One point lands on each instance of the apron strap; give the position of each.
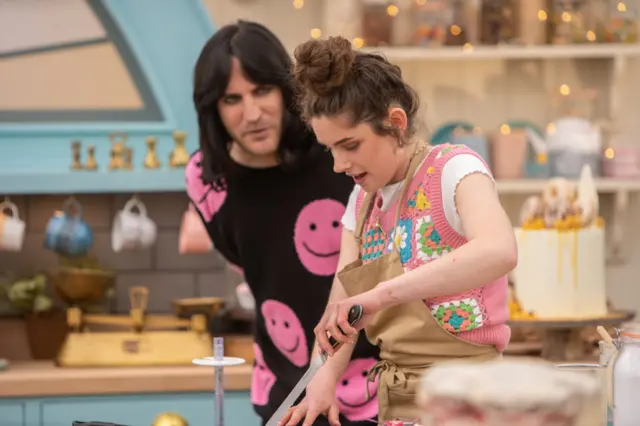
(365, 209)
(417, 157)
(391, 375)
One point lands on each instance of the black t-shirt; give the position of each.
(283, 228)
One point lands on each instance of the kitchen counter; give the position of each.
(41, 378)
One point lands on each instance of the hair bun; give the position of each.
(322, 66)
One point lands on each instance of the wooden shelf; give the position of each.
(586, 51)
(85, 182)
(534, 186)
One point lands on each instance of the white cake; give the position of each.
(561, 273)
(561, 252)
(519, 392)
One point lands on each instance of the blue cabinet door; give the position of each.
(140, 410)
(13, 413)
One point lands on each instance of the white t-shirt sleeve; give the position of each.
(454, 170)
(349, 216)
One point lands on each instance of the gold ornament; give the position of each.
(75, 148)
(128, 159)
(170, 419)
(151, 159)
(91, 163)
(118, 141)
(179, 157)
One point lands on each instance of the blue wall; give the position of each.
(166, 36)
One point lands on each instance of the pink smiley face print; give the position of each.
(262, 379)
(351, 391)
(286, 331)
(317, 236)
(204, 197)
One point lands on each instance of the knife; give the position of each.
(355, 314)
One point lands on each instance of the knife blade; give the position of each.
(355, 314)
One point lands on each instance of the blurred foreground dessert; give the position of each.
(508, 393)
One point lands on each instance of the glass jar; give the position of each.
(432, 19)
(499, 21)
(594, 412)
(621, 22)
(626, 377)
(572, 22)
(532, 22)
(608, 352)
(377, 22)
(461, 28)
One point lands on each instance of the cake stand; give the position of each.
(561, 333)
(218, 361)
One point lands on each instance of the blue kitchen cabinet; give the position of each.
(13, 413)
(35, 151)
(132, 410)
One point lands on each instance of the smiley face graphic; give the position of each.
(317, 236)
(351, 391)
(262, 379)
(286, 331)
(204, 197)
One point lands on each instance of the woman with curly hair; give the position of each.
(426, 245)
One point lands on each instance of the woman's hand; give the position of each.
(335, 321)
(320, 399)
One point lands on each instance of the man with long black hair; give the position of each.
(272, 205)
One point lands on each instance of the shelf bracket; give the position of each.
(621, 204)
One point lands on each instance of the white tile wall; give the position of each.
(168, 274)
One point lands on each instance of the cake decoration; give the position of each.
(563, 205)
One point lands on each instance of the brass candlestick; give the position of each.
(151, 159)
(75, 148)
(128, 158)
(117, 151)
(179, 157)
(91, 163)
(118, 141)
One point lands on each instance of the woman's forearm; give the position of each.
(337, 364)
(349, 251)
(472, 265)
(337, 293)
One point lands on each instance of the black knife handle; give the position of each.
(355, 314)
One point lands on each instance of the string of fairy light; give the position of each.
(455, 30)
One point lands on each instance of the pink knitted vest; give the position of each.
(422, 235)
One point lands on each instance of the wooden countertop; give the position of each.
(41, 378)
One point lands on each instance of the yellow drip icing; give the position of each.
(567, 230)
(574, 259)
(560, 246)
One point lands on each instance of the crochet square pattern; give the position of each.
(401, 238)
(458, 315)
(373, 244)
(429, 244)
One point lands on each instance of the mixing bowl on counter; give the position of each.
(75, 285)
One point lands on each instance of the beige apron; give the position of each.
(409, 337)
